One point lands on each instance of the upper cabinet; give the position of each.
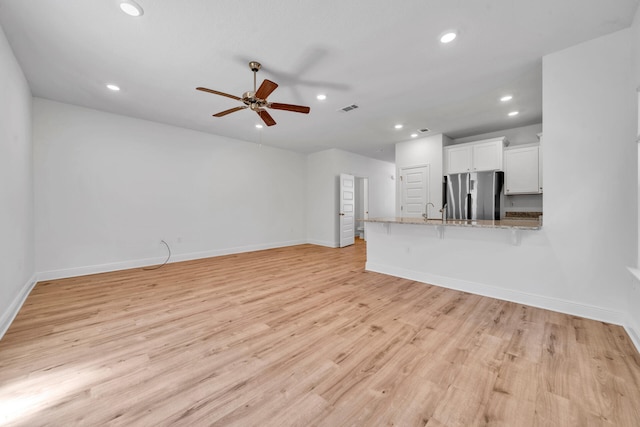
(522, 170)
(457, 159)
(477, 156)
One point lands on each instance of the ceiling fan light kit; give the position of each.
(256, 100)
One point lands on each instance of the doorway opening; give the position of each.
(354, 208)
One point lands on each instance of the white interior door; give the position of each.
(347, 210)
(414, 190)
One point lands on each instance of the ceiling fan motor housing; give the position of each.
(249, 98)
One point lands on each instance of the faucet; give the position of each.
(426, 210)
(444, 212)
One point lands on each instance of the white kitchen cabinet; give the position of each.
(486, 155)
(458, 159)
(522, 170)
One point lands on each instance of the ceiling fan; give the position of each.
(257, 100)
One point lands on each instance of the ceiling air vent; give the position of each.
(424, 130)
(348, 108)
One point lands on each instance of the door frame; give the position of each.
(365, 196)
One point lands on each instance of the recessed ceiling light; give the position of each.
(131, 8)
(398, 126)
(113, 87)
(448, 37)
(258, 126)
(321, 97)
(514, 113)
(413, 135)
(506, 98)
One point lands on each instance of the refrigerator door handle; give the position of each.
(468, 213)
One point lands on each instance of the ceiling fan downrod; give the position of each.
(255, 66)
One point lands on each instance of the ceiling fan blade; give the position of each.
(266, 117)
(229, 111)
(215, 92)
(265, 89)
(289, 107)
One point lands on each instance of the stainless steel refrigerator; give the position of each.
(476, 195)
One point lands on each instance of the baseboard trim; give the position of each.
(632, 327)
(12, 311)
(323, 243)
(126, 265)
(540, 301)
(634, 334)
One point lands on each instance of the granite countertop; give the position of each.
(507, 223)
(523, 215)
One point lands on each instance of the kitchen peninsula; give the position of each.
(502, 258)
(492, 258)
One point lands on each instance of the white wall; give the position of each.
(420, 152)
(577, 262)
(108, 188)
(635, 29)
(323, 171)
(590, 165)
(634, 293)
(16, 187)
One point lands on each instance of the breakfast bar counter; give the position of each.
(508, 223)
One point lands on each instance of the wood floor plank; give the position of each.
(303, 336)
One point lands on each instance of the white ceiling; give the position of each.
(383, 56)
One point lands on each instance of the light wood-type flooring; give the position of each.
(303, 336)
